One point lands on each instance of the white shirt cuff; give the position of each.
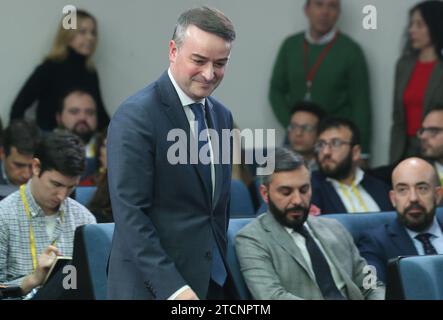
(176, 293)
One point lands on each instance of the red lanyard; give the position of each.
(310, 74)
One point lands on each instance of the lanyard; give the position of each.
(91, 148)
(31, 230)
(357, 195)
(310, 74)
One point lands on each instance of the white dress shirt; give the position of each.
(354, 197)
(323, 40)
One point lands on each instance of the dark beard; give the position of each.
(342, 170)
(86, 135)
(423, 224)
(280, 216)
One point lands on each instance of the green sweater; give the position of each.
(340, 86)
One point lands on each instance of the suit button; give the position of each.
(208, 255)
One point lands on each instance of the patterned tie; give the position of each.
(218, 270)
(197, 109)
(321, 268)
(427, 245)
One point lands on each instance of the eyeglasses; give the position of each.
(334, 144)
(432, 131)
(308, 128)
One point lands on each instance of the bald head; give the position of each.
(415, 194)
(415, 169)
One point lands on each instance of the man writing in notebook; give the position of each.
(38, 221)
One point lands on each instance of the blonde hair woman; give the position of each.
(68, 65)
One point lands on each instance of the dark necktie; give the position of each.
(321, 268)
(197, 109)
(218, 270)
(427, 245)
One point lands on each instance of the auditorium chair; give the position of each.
(92, 245)
(241, 203)
(84, 194)
(415, 278)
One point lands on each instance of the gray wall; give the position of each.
(133, 50)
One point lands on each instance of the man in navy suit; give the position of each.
(340, 185)
(416, 231)
(171, 215)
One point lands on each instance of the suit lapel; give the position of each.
(377, 194)
(173, 107)
(333, 197)
(401, 239)
(324, 236)
(337, 258)
(176, 114)
(283, 239)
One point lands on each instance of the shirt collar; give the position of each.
(184, 98)
(434, 230)
(359, 176)
(291, 230)
(34, 208)
(323, 40)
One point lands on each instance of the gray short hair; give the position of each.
(207, 19)
(285, 160)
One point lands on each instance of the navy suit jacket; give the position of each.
(327, 199)
(165, 220)
(386, 242)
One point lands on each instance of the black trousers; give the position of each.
(227, 292)
(215, 292)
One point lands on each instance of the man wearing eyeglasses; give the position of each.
(302, 130)
(340, 185)
(431, 139)
(417, 229)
